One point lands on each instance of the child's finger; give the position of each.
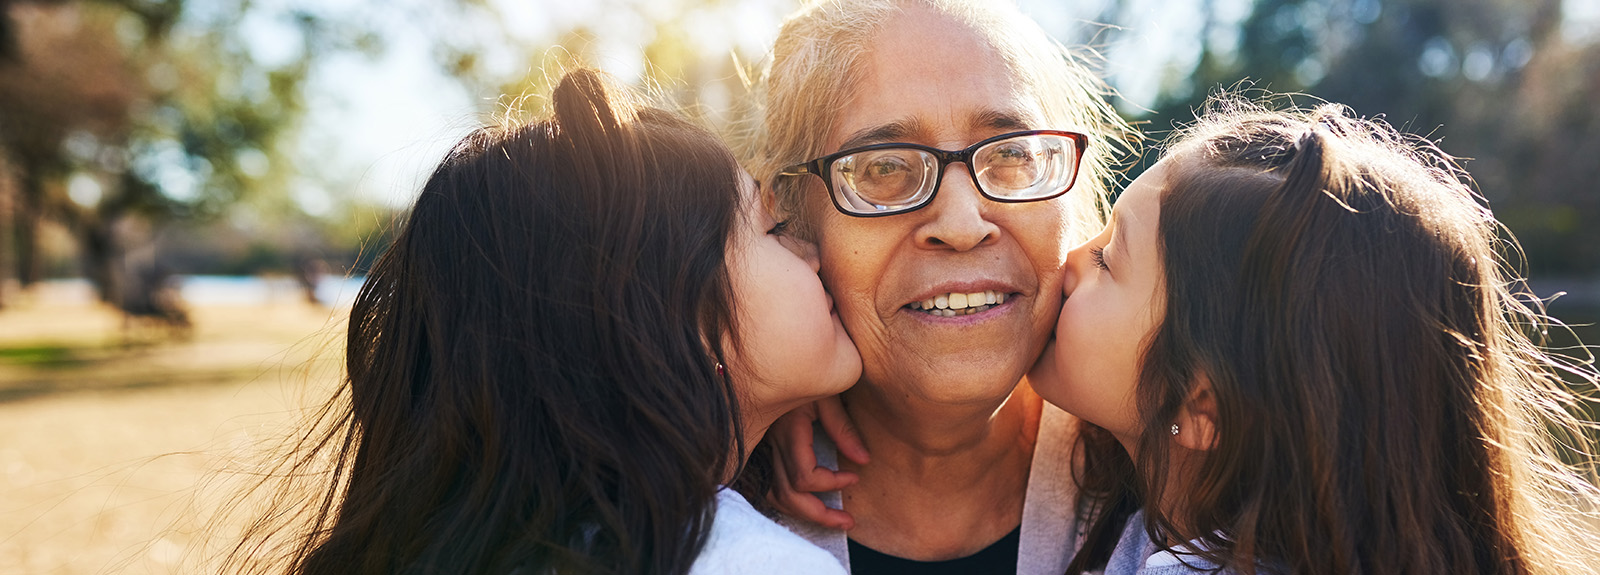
(837, 423)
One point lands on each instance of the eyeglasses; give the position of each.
(888, 179)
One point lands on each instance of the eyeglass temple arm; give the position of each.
(797, 170)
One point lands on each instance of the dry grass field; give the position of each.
(112, 442)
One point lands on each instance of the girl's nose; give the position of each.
(805, 250)
(1077, 258)
(809, 254)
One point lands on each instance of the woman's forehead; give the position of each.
(926, 70)
(897, 106)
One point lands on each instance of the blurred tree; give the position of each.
(124, 115)
(125, 119)
(701, 78)
(1495, 79)
(8, 34)
(55, 85)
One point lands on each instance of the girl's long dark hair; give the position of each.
(1380, 408)
(531, 367)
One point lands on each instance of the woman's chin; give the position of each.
(977, 384)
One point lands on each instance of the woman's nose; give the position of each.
(957, 216)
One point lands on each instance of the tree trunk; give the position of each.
(101, 264)
(7, 257)
(26, 214)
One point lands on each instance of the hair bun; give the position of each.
(586, 101)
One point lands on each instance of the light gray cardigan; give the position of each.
(1050, 530)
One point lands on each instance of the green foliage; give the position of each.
(1493, 79)
(155, 111)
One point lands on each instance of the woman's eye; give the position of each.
(779, 228)
(886, 168)
(1098, 256)
(1010, 155)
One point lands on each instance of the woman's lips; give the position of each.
(958, 298)
(959, 303)
(953, 304)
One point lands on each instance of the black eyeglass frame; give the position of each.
(820, 167)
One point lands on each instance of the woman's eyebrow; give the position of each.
(896, 131)
(904, 130)
(1003, 120)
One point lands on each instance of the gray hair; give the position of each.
(815, 65)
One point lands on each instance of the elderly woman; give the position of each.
(944, 155)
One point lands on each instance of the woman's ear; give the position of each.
(1196, 424)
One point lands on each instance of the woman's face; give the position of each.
(793, 348)
(929, 81)
(1114, 301)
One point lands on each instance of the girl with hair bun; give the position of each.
(584, 325)
(1296, 350)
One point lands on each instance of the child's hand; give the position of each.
(798, 477)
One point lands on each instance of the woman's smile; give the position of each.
(959, 303)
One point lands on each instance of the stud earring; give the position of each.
(1174, 429)
(721, 371)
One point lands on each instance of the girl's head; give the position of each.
(536, 366)
(1298, 329)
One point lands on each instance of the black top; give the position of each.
(999, 557)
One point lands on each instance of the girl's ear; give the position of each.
(1197, 420)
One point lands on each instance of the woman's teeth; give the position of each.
(954, 304)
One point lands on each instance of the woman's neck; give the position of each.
(945, 481)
